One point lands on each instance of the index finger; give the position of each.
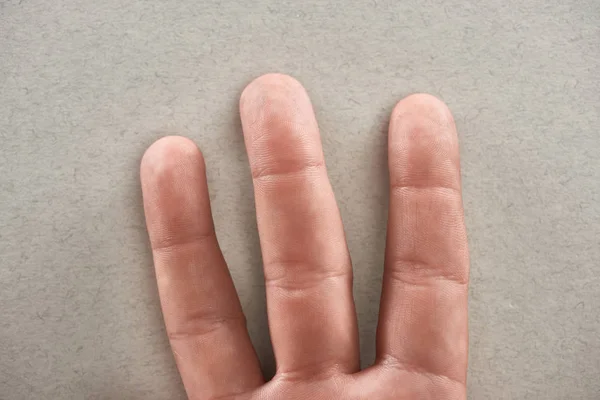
(423, 318)
(203, 315)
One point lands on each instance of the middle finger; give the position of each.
(308, 272)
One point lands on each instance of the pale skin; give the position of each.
(422, 334)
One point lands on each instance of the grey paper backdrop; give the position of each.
(87, 85)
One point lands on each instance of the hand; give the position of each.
(422, 332)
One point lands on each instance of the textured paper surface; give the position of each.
(87, 85)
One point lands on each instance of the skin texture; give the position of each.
(422, 335)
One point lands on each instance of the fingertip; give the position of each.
(269, 88)
(268, 82)
(168, 153)
(174, 191)
(423, 106)
(423, 144)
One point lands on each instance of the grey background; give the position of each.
(87, 85)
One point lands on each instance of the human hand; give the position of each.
(422, 331)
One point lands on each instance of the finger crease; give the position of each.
(171, 244)
(418, 273)
(202, 326)
(269, 173)
(321, 370)
(393, 362)
(400, 187)
(309, 279)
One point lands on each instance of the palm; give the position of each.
(422, 331)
